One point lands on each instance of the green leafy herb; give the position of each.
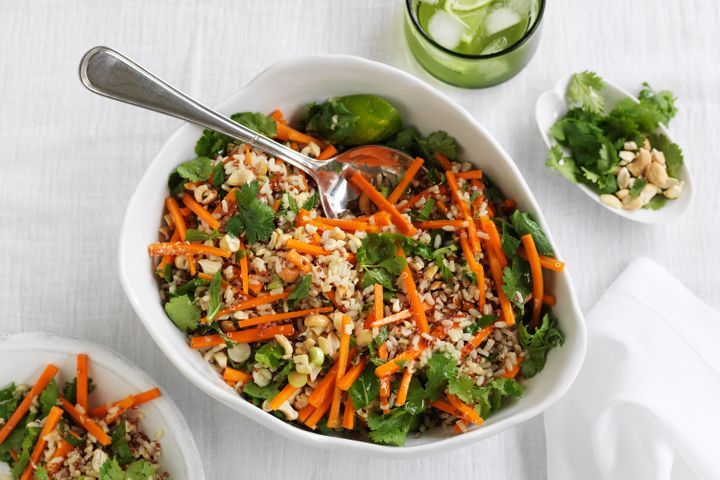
(189, 287)
(464, 388)
(193, 235)
(26, 446)
(637, 187)
(254, 217)
(258, 122)
(311, 202)
(381, 336)
(183, 312)
(331, 120)
(70, 390)
(663, 101)
(438, 142)
(424, 213)
(415, 401)
(49, 397)
(300, 291)
(517, 282)
(137, 470)
(480, 323)
(524, 224)
(218, 177)
(41, 473)
(214, 291)
(584, 91)
(377, 258)
(166, 273)
(391, 429)
(656, 203)
(293, 204)
(538, 343)
(490, 397)
(252, 389)
(270, 355)
(441, 367)
(557, 160)
(176, 183)
(673, 153)
(195, 170)
(365, 389)
(508, 239)
(119, 446)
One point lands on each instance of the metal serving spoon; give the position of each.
(106, 72)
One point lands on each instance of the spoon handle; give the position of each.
(109, 73)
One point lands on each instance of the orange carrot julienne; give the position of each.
(121, 407)
(548, 263)
(488, 226)
(474, 266)
(282, 397)
(344, 351)
(305, 413)
(438, 224)
(200, 211)
(139, 399)
(328, 153)
(348, 421)
(468, 413)
(159, 249)
(254, 302)
(82, 381)
(383, 351)
(378, 302)
(445, 407)
(476, 341)
(549, 300)
(394, 318)
(277, 115)
(471, 174)
(512, 373)
(147, 396)
(460, 427)
(407, 177)
(496, 272)
(443, 161)
(86, 422)
(353, 225)
(442, 207)
(381, 219)
(174, 210)
(385, 395)
(232, 375)
(281, 316)
(537, 277)
(455, 193)
(63, 449)
(50, 423)
(317, 397)
(248, 159)
(393, 365)
(276, 205)
(244, 275)
(306, 248)
(416, 304)
(228, 201)
(319, 412)
(285, 132)
(404, 387)
(24, 406)
(245, 336)
(352, 375)
(382, 203)
(299, 261)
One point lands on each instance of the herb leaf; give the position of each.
(254, 217)
(537, 345)
(517, 282)
(390, 429)
(258, 122)
(192, 235)
(524, 224)
(377, 258)
(183, 312)
(119, 446)
(584, 91)
(270, 355)
(214, 292)
(663, 101)
(300, 291)
(441, 367)
(195, 170)
(365, 389)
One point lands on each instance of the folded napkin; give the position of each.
(646, 404)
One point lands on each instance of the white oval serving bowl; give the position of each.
(24, 355)
(551, 105)
(291, 85)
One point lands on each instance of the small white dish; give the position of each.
(552, 105)
(24, 355)
(291, 85)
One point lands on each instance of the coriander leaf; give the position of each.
(517, 283)
(183, 312)
(111, 470)
(480, 323)
(49, 397)
(381, 336)
(391, 429)
(311, 202)
(26, 446)
(189, 287)
(140, 470)
(441, 367)
(282, 375)
(119, 447)
(557, 160)
(365, 389)
(300, 291)
(176, 183)
(235, 226)
(377, 258)
(426, 210)
(270, 355)
(438, 142)
(263, 393)
(331, 120)
(166, 273)
(41, 473)
(656, 203)
(537, 345)
(254, 217)
(247, 193)
(415, 401)
(196, 170)
(464, 388)
(192, 235)
(490, 397)
(70, 389)
(637, 187)
(673, 153)
(584, 91)
(211, 143)
(510, 243)
(663, 101)
(218, 176)
(258, 122)
(524, 224)
(405, 140)
(214, 292)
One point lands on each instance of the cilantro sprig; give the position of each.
(254, 217)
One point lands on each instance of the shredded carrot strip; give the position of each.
(245, 336)
(24, 406)
(476, 341)
(352, 375)
(353, 225)
(248, 160)
(468, 413)
(460, 427)
(86, 422)
(282, 397)
(394, 318)
(474, 266)
(437, 224)
(549, 300)
(416, 304)
(63, 449)
(305, 412)
(334, 415)
(548, 263)
(277, 115)
(404, 387)
(445, 407)
(325, 386)
(319, 412)
(200, 211)
(234, 376)
(299, 261)
(285, 132)
(471, 174)
(385, 395)
(121, 407)
(382, 203)
(513, 372)
(443, 161)
(348, 421)
(191, 265)
(404, 182)
(244, 273)
(265, 299)
(537, 277)
(442, 207)
(464, 209)
(159, 249)
(82, 381)
(383, 351)
(50, 423)
(178, 220)
(480, 198)
(276, 205)
(306, 248)
(496, 272)
(381, 219)
(229, 201)
(281, 316)
(393, 365)
(138, 399)
(328, 153)
(488, 226)
(378, 302)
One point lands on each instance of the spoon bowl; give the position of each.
(551, 106)
(110, 74)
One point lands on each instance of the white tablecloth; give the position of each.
(69, 160)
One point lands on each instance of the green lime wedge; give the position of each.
(377, 118)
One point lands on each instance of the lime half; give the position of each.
(459, 6)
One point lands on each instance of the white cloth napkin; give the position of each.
(646, 404)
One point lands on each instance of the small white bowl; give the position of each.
(552, 105)
(24, 355)
(291, 85)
